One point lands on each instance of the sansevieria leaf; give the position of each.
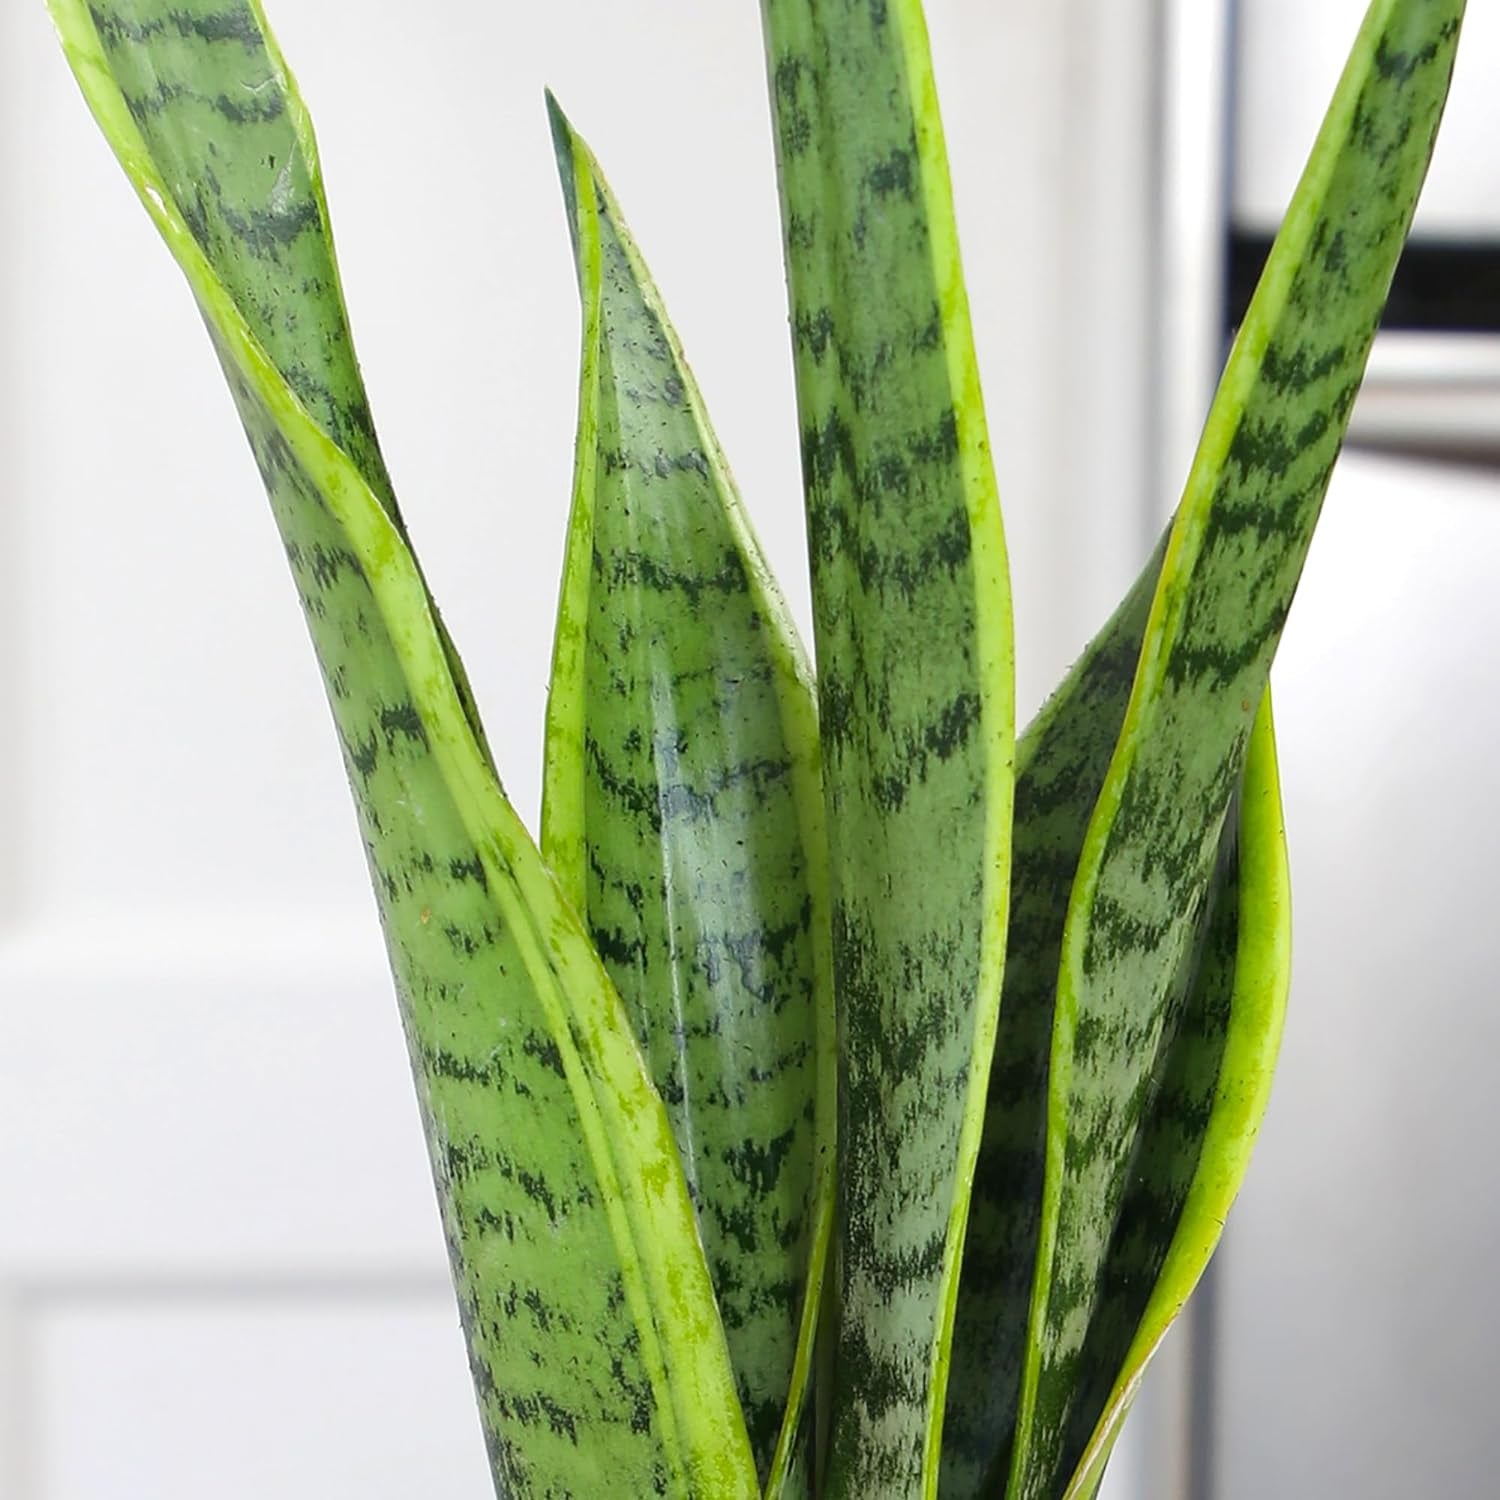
(912, 619)
(1206, 1104)
(1206, 1113)
(593, 1333)
(684, 812)
(1231, 567)
(1061, 761)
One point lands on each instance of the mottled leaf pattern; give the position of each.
(1232, 564)
(183, 69)
(626, 1068)
(912, 619)
(1061, 761)
(684, 810)
(1196, 1147)
(595, 1343)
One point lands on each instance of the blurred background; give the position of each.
(220, 1266)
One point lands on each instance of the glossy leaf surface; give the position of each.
(1232, 563)
(596, 1347)
(912, 619)
(684, 810)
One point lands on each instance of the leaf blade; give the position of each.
(657, 1405)
(1061, 762)
(1233, 560)
(912, 618)
(684, 800)
(1238, 1038)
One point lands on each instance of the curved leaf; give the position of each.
(684, 812)
(1207, 1114)
(1233, 559)
(1061, 762)
(912, 616)
(592, 1330)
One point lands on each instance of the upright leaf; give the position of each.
(1231, 568)
(684, 811)
(596, 1347)
(1207, 1113)
(1206, 1102)
(912, 616)
(1061, 761)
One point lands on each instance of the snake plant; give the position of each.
(842, 1095)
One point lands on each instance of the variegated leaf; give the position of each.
(912, 619)
(1231, 567)
(1207, 1112)
(684, 812)
(595, 1343)
(1060, 765)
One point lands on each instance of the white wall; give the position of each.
(219, 1261)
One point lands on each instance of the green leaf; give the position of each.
(1061, 762)
(912, 615)
(684, 812)
(596, 1346)
(1206, 1105)
(1233, 559)
(1207, 1113)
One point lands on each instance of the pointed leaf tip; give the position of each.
(573, 161)
(683, 816)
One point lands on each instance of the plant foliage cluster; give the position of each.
(844, 1094)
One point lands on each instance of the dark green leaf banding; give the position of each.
(595, 1342)
(684, 813)
(1232, 563)
(912, 621)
